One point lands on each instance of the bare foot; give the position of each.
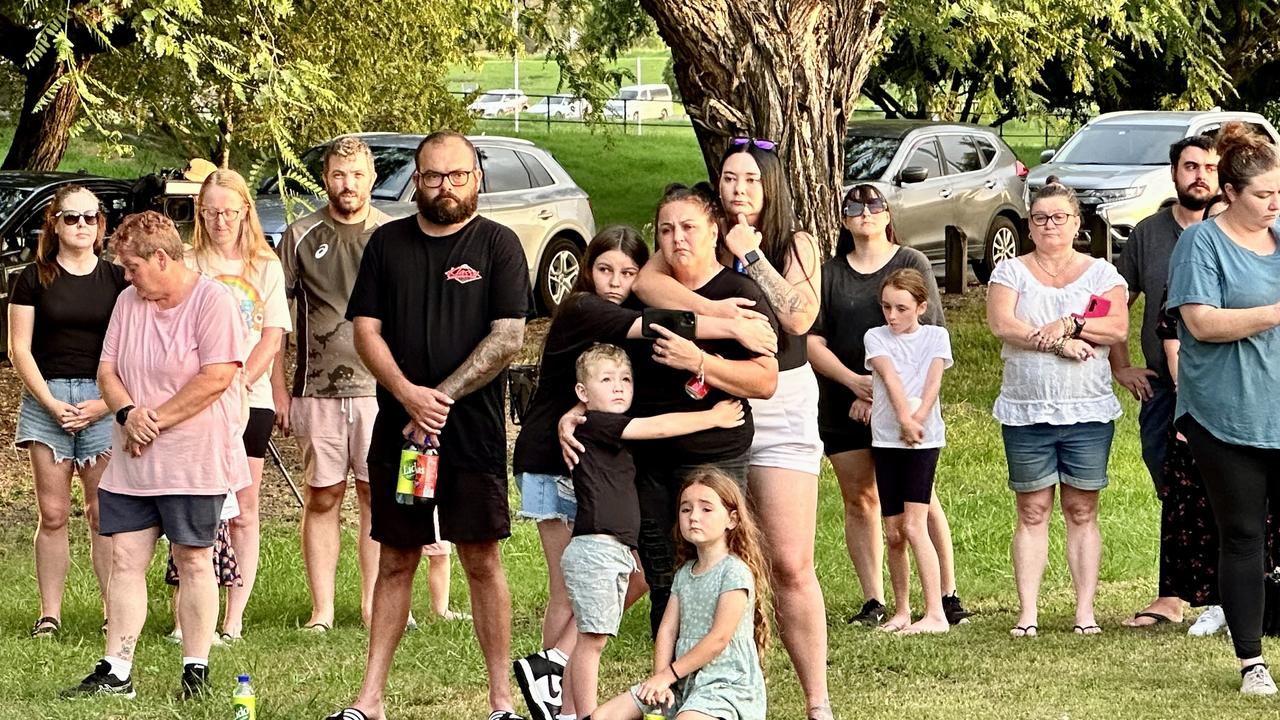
(926, 624)
(896, 623)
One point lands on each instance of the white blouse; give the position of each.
(1041, 387)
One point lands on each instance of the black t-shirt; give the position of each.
(71, 319)
(851, 307)
(1144, 264)
(604, 481)
(581, 320)
(436, 298)
(660, 389)
(793, 351)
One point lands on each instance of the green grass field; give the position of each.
(976, 671)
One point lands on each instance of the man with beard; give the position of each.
(1144, 263)
(331, 406)
(439, 308)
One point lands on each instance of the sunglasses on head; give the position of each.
(855, 208)
(73, 218)
(768, 145)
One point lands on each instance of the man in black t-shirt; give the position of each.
(439, 307)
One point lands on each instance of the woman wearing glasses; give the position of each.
(867, 252)
(1057, 311)
(58, 316)
(229, 246)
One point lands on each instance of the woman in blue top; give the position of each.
(1224, 281)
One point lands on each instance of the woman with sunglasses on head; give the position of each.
(867, 252)
(229, 246)
(761, 241)
(58, 316)
(1057, 311)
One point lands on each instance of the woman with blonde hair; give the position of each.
(229, 246)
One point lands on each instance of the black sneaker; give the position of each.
(195, 681)
(954, 610)
(539, 678)
(504, 714)
(101, 682)
(872, 613)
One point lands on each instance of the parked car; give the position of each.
(499, 102)
(1118, 164)
(939, 174)
(524, 188)
(641, 102)
(23, 199)
(560, 106)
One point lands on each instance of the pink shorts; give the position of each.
(334, 436)
(439, 547)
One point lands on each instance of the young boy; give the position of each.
(598, 562)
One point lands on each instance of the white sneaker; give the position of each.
(174, 637)
(1257, 681)
(1210, 622)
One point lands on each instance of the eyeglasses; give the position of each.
(71, 219)
(212, 214)
(433, 179)
(768, 145)
(1058, 218)
(875, 206)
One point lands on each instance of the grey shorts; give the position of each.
(190, 520)
(597, 570)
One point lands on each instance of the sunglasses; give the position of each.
(72, 219)
(875, 206)
(767, 145)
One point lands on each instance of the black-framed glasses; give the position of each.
(1058, 218)
(212, 214)
(433, 179)
(855, 208)
(71, 219)
(761, 143)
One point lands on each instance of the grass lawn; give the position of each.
(976, 671)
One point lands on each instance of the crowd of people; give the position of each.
(673, 444)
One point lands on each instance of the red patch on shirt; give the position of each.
(462, 274)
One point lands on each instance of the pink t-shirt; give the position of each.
(156, 352)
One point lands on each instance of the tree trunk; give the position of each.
(786, 70)
(40, 139)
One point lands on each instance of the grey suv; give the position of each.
(524, 188)
(940, 174)
(1118, 164)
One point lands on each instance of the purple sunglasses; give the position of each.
(767, 145)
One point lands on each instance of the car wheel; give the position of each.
(559, 116)
(557, 272)
(1002, 243)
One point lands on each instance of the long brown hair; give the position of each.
(863, 193)
(252, 243)
(47, 268)
(743, 541)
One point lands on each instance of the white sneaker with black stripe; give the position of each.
(539, 677)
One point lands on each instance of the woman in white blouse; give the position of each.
(1056, 311)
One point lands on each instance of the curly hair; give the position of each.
(142, 234)
(47, 268)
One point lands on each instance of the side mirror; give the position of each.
(913, 174)
(1047, 155)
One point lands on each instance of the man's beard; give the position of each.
(1191, 202)
(347, 205)
(447, 209)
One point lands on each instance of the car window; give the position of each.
(960, 153)
(986, 149)
(867, 157)
(925, 155)
(538, 174)
(1114, 144)
(662, 94)
(503, 171)
(10, 198)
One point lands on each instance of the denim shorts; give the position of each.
(1042, 455)
(597, 570)
(35, 424)
(546, 497)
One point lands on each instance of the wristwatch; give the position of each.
(752, 257)
(122, 414)
(1079, 326)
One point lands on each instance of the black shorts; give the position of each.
(852, 435)
(190, 520)
(904, 475)
(257, 433)
(473, 508)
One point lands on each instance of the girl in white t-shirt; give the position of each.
(906, 360)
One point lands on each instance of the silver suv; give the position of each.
(524, 188)
(940, 174)
(1118, 164)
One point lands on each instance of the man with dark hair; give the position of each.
(439, 308)
(1144, 263)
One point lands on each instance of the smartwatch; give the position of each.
(1079, 326)
(752, 257)
(123, 414)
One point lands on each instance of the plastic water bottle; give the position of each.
(243, 701)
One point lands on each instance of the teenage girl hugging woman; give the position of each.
(598, 310)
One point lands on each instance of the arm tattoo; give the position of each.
(489, 358)
(782, 295)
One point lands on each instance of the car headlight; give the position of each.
(1112, 195)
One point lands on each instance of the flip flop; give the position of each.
(1021, 631)
(46, 627)
(347, 713)
(1087, 630)
(1157, 617)
(319, 628)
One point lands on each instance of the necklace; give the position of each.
(1036, 256)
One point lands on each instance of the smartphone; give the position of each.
(680, 322)
(1098, 306)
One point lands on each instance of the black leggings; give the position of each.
(1238, 480)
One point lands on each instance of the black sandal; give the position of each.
(1085, 629)
(1026, 631)
(46, 627)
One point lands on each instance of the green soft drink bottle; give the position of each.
(243, 701)
(405, 482)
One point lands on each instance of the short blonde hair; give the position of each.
(591, 358)
(142, 234)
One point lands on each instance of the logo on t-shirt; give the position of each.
(322, 250)
(463, 274)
